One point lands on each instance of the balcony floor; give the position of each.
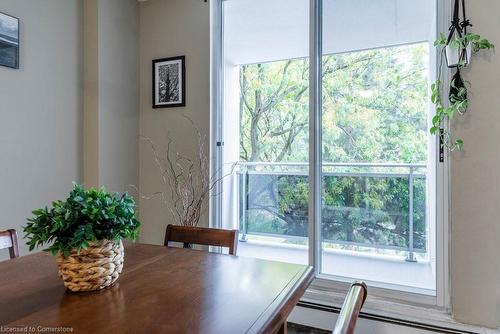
(379, 270)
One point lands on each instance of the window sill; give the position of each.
(381, 271)
(386, 309)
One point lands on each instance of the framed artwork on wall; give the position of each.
(9, 41)
(169, 82)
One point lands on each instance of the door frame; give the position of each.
(442, 170)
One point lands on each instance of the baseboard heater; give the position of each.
(390, 320)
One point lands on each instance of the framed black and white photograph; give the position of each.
(169, 82)
(9, 41)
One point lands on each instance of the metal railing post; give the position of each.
(411, 254)
(244, 207)
(367, 194)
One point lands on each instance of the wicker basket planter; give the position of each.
(72, 226)
(94, 268)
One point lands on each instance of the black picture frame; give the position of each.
(9, 41)
(169, 82)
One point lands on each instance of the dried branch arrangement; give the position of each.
(186, 181)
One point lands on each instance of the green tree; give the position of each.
(375, 109)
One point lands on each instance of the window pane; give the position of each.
(377, 70)
(266, 111)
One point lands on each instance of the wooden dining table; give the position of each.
(161, 290)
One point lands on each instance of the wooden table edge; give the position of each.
(272, 318)
(283, 304)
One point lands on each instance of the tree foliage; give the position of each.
(375, 109)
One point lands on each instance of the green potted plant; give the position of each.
(85, 232)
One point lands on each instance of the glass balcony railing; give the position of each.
(372, 207)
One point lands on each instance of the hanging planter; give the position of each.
(458, 54)
(458, 49)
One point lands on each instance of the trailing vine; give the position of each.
(457, 98)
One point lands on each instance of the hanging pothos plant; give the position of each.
(457, 48)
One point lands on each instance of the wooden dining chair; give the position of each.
(353, 302)
(8, 239)
(202, 236)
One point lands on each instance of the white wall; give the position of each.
(171, 28)
(40, 110)
(111, 97)
(41, 105)
(118, 94)
(475, 179)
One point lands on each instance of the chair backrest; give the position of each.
(349, 313)
(8, 239)
(203, 236)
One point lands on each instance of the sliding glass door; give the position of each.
(266, 119)
(376, 148)
(373, 65)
